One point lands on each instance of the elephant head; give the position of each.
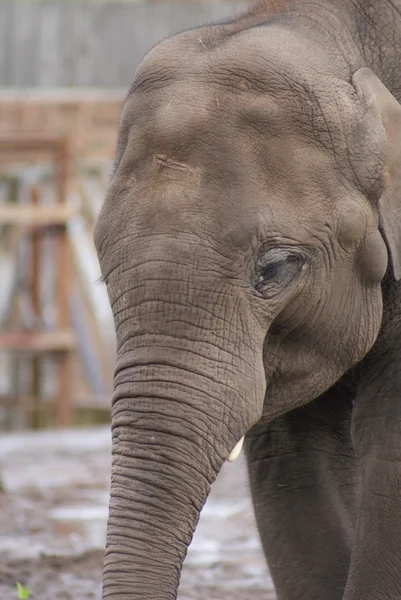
(243, 241)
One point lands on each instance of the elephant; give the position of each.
(250, 242)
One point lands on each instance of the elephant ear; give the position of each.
(383, 119)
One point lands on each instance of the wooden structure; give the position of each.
(52, 190)
(35, 220)
(88, 117)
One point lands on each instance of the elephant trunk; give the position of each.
(189, 384)
(168, 447)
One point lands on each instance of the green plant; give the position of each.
(23, 591)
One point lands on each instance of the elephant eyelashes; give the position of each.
(275, 268)
(102, 280)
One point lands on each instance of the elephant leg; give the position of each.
(375, 569)
(302, 474)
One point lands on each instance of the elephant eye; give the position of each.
(276, 267)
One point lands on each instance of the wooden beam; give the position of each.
(83, 401)
(62, 340)
(23, 141)
(39, 216)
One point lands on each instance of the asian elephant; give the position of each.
(250, 241)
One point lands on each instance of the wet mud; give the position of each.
(53, 523)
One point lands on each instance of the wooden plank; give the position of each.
(31, 141)
(25, 39)
(63, 340)
(9, 41)
(48, 44)
(86, 42)
(67, 44)
(93, 402)
(40, 216)
(5, 39)
(84, 401)
(110, 20)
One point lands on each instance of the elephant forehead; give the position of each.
(189, 97)
(183, 108)
(252, 59)
(188, 70)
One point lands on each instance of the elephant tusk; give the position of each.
(236, 451)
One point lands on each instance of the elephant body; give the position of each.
(250, 241)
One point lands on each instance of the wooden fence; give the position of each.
(74, 43)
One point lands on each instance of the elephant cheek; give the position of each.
(373, 258)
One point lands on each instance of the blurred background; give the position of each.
(65, 67)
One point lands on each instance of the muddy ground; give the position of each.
(53, 520)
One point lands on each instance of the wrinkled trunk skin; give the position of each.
(189, 383)
(161, 477)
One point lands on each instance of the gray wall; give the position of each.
(77, 43)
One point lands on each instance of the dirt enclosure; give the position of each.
(53, 519)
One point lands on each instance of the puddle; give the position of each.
(53, 523)
(87, 522)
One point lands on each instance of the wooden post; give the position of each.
(64, 414)
(35, 403)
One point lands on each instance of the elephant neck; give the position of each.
(391, 324)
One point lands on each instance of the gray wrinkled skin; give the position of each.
(250, 241)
